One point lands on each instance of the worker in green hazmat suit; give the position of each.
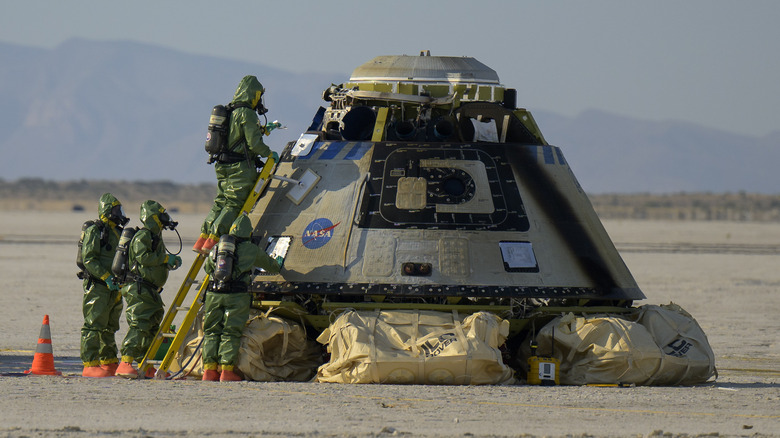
(149, 263)
(102, 302)
(237, 170)
(228, 300)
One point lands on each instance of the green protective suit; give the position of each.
(227, 311)
(148, 261)
(101, 306)
(236, 180)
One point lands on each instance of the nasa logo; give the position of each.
(318, 233)
(208, 136)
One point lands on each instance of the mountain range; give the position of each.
(116, 110)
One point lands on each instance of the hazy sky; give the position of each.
(710, 62)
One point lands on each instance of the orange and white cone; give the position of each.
(43, 361)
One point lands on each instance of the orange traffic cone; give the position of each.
(43, 361)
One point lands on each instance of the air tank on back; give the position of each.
(421, 183)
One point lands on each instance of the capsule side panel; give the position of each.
(456, 219)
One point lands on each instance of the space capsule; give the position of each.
(421, 184)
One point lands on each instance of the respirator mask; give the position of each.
(165, 220)
(117, 215)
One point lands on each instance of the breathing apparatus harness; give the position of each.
(83, 273)
(225, 257)
(119, 266)
(132, 274)
(117, 216)
(219, 130)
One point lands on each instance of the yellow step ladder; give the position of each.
(166, 330)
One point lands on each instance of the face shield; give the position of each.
(117, 215)
(166, 222)
(260, 105)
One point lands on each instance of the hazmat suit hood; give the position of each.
(110, 210)
(150, 216)
(249, 91)
(242, 227)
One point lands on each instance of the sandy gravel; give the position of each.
(725, 274)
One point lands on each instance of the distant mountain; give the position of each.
(120, 110)
(614, 154)
(136, 112)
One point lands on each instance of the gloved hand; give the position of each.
(174, 262)
(111, 283)
(271, 126)
(275, 156)
(279, 261)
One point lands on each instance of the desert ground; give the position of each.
(726, 274)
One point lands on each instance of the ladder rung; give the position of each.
(169, 335)
(182, 308)
(154, 362)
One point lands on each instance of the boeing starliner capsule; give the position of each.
(423, 184)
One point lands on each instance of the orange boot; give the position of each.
(210, 376)
(208, 244)
(126, 370)
(228, 375)
(199, 243)
(110, 368)
(95, 371)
